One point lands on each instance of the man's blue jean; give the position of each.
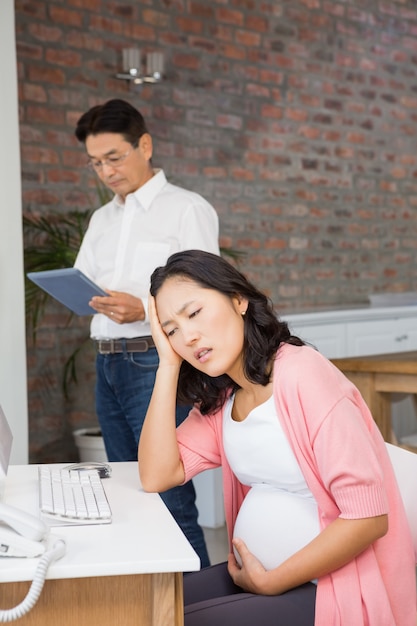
(123, 390)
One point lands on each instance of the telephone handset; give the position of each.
(23, 535)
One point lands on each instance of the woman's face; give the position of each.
(204, 326)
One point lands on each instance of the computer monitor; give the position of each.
(6, 439)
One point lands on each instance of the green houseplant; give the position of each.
(51, 242)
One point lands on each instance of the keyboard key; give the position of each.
(73, 496)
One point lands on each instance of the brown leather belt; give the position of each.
(114, 346)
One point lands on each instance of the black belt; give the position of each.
(113, 346)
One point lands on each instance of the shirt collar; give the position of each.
(146, 194)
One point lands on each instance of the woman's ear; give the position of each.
(241, 304)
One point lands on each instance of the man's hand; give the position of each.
(120, 307)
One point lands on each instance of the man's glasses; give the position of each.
(112, 161)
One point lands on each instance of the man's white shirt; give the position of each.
(125, 242)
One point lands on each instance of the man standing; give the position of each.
(146, 221)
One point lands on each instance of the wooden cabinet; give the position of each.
(378, 336)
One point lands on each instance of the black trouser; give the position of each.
(212, 599)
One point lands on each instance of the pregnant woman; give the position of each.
(318, 533)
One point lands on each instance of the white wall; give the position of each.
(13, 386)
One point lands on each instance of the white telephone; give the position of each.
(23, 535)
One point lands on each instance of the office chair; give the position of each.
(405, 469)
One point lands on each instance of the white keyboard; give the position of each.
(73, 496)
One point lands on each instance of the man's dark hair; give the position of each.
(263, 331)
(115, 116)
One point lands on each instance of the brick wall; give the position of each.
(296, 120)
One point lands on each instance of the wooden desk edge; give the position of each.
(401, 363)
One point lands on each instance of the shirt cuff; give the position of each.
(145, 306)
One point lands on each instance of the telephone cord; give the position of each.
(57, 551)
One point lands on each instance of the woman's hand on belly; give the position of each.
(335, 546)
(251, 576)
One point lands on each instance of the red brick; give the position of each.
(241, 174)
(389, 186)
(283, 61)
(202, 43)
(77, 200)
(35, 93)
(229, 121)
(399, 172)
(89, 5)
(40, 197)
(201, 10)
(231, 51)
(230, 16)
(66, 58)
(65, 16)
(256, 23)
(63, 176)
(140, 32)
(32, 51)
(297, 115)
(42, 74)
(247, 38)
(189, 25)
(184, 60)
(61, 138)
(29, 134)
(215, 172)
(31, 177)
(65, 97)
(85, 41)
(38, 154)
(101, 23)
(45, 114)
(258, 90)
(222, 32)
(270, 76)
(271, 111)
(331, 135)
(356, 137)
(158, 19)
(170, 39)
(344, 60)
(125, 11)
(368, 65)
(44, 32)
(337, 10)
(74, 158)
(252, 244)
(32, 8)
(310, 100)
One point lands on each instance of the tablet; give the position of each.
(70, 287)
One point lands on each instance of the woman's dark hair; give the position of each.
(263, 331)
(115, 116)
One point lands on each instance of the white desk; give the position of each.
(119, 574)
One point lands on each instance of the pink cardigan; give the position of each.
(345, 464)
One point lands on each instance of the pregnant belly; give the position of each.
(275, 524)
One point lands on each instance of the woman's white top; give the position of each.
(279, 514)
